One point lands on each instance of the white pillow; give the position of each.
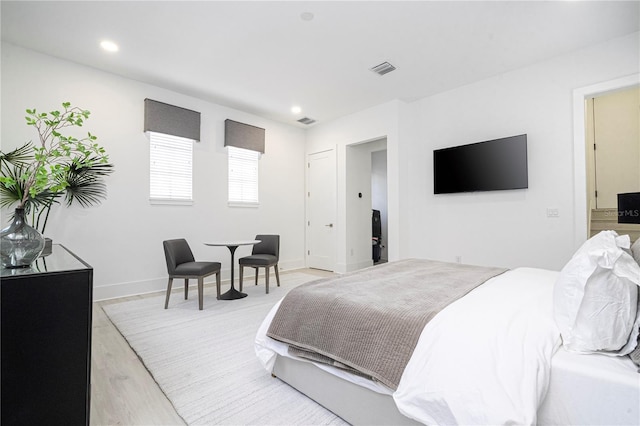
(596, 297)
(635, 250)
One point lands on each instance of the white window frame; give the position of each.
(243, 177)
(170, 169)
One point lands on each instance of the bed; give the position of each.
(493, 355)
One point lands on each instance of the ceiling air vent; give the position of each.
(383, 68)
(306, 120)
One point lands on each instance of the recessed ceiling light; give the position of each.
(296, 109)
(109, 46)
(306, 16)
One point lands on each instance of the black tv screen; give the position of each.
(629, 207)
(493, 165)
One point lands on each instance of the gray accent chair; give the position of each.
(265, 254)
(181, 264)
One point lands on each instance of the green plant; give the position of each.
(35, 176)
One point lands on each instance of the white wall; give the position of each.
(510, 228)
(387, 120)
(358, 204)
(503, 228)
(122, 238)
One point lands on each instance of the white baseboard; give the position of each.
(132, 288)
(359, 265)
(114, 291)
(343, 268)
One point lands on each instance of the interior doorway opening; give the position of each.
(582, 207)
(613, 156)
(379, 216)
(366, 191)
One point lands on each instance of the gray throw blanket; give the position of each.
(370, 320)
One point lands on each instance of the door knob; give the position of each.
(330, 225)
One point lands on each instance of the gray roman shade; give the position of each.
(243, 135)
(171, 120)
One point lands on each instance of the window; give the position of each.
(243, 176)
(171, 160)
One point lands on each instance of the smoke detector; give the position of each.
(383, 68)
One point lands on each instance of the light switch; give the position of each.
(553, 212)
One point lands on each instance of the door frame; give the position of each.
(581, 208)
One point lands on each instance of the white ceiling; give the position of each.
(262, 57)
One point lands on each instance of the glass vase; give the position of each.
(20, 244)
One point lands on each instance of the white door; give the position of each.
(321, 210)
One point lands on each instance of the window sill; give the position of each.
(243, 205)
(169, 202)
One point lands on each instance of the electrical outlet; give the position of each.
(458, 259)
(553, 212)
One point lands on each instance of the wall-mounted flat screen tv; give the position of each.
(629, 207)
(492, 165)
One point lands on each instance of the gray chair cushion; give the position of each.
(197, 268)
(258, 259)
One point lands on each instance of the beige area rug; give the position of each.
(205, 363)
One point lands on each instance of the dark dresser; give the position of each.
(46, 341)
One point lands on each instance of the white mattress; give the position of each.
(591, 390)
(583, 389)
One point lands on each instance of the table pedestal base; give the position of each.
(232, 294)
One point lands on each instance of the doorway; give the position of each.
(582, 206)
(613, 146)
(366, 190)
(613, 157)
(380, 228)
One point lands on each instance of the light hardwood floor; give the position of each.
(122, 390)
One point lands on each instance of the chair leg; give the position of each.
(200, 292)
(218, 284)
(166, 300)
(241, 278)
(257, 270)
(186, 288)
(266, 278)
(277, 274)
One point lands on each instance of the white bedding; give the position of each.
(591, 389)
(486, 359)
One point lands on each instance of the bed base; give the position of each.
(613, 401)
(353, 403)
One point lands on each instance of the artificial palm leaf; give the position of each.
(11, 193)
(86, 185)
(19, 156)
